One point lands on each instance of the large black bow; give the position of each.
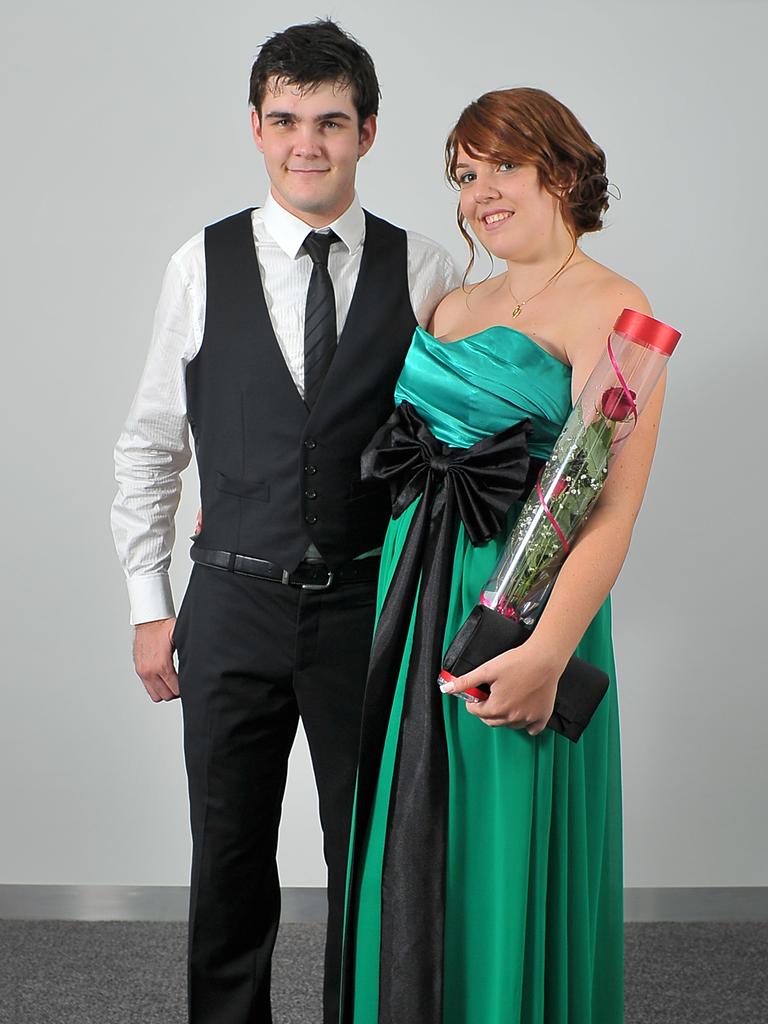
(485, 478)
(479, 483)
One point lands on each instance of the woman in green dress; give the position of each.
(485, 882)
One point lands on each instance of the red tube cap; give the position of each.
(645, 330)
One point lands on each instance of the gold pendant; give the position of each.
(516, 311)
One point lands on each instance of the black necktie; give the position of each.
(320, 318)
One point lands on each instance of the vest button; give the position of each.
(310, 519)
(311, 470)
(311, 493)
(309, 443)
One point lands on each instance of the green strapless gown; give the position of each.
(534, 921)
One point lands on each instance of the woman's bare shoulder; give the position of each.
(606, 289)
(457, 305)
(602, 297)
(450, 307)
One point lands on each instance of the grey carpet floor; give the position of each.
(65, 972)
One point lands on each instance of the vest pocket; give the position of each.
(257, 489)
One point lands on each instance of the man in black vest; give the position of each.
(278, 338)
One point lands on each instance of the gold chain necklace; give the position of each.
(516, 311)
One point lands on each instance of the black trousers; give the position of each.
(253, 656)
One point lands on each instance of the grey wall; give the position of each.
(125, 129)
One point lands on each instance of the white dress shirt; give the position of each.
(154, 446)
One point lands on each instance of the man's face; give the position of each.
(311, 143)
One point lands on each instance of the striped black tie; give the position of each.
(320, 318)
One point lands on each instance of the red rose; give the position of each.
(616, 404)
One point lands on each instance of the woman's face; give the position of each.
(507, 209)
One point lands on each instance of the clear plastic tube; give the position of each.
(604, 416)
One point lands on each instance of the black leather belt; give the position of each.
(307, 575)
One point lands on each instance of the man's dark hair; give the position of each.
(310, 55)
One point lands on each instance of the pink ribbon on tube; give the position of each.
(548, 514)
(629, 395)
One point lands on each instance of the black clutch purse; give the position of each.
(487, 634)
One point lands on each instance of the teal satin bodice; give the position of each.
(476, 386)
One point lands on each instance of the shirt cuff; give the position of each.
(150, 598)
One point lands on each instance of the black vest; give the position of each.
(273, 474)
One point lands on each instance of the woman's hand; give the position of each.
(523, 685)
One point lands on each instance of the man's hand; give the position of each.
(153, 659)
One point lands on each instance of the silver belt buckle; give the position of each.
(319, 586)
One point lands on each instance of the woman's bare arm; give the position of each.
(524, 680)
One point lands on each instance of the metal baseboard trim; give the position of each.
(697, 903)
(300, 905)
(306, 905)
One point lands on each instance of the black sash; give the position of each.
(480, 484)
